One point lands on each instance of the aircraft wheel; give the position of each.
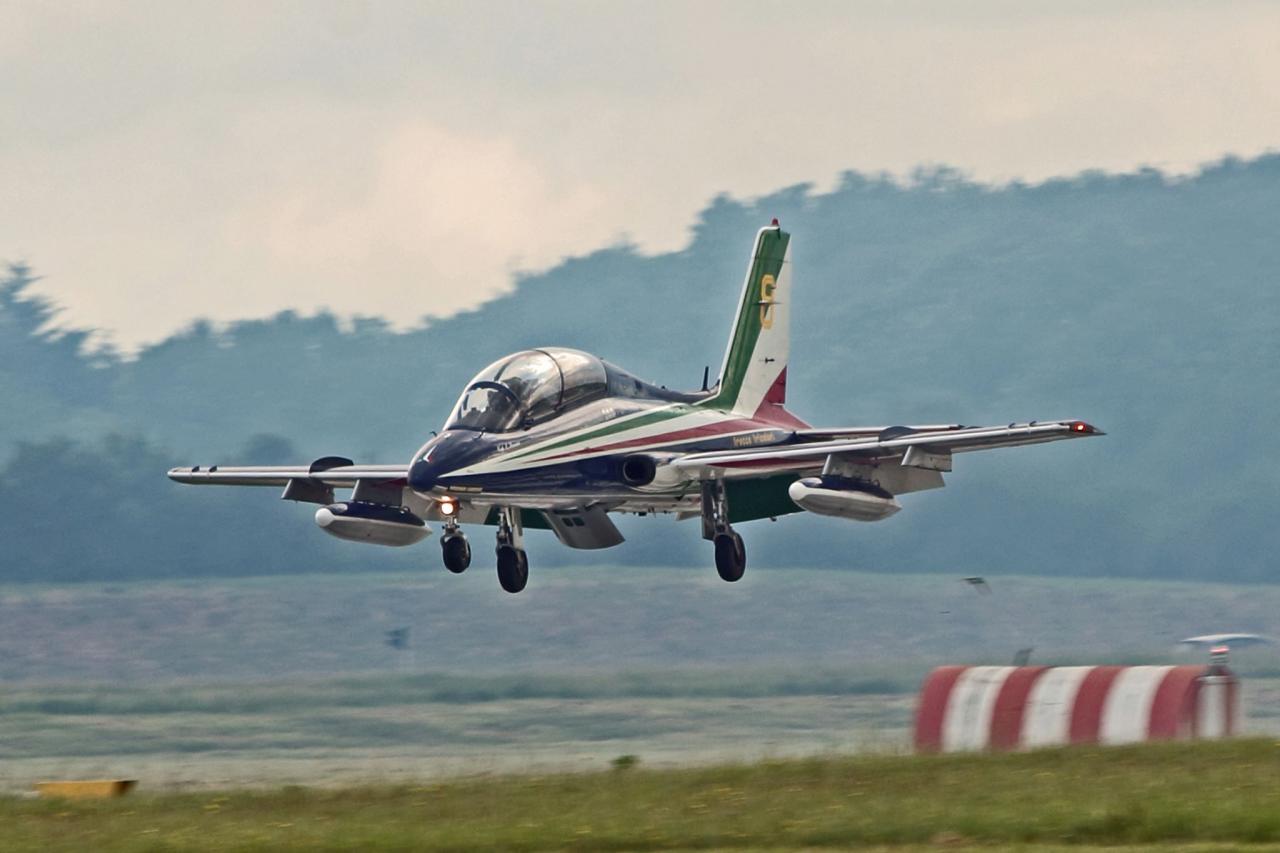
(457, 553)
(731, 556)
(513, 568)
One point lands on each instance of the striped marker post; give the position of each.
(966, 708)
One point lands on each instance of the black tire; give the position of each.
(513, 568)
(731, 556)
(457, 553)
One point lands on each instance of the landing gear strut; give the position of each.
(455, 547)
(513, 563)
(731, 554)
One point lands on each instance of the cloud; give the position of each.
(280, 207)
(402, 159)
(432, 222)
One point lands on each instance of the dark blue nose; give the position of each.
(439, 457)
(422, 475)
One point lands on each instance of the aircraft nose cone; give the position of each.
(422, 476)
(441, 456)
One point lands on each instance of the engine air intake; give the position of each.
(639, 470)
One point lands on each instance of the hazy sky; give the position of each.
(161, 161)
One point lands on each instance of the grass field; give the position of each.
(433, 726)
(1190, 795)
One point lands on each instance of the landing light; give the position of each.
(448, 506)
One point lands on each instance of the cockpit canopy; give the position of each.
(527, 388)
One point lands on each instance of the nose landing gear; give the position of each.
(454, 546)
(513, 562)
(731, 554)
(457, 552)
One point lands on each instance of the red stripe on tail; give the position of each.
(772, 410)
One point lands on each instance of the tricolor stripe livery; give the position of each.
(559, 439)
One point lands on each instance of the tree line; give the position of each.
(1141, 302)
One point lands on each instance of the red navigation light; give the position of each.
(1080, 426)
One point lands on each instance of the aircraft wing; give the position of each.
(927, 447)
(576, 522)
(280, 475)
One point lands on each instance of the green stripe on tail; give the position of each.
(755, 315)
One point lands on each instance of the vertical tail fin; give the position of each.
(754, 373)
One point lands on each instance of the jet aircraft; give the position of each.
(558, 439)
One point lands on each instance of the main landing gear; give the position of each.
(731, 554)
(513, 562)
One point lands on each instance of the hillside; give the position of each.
(1142, 303)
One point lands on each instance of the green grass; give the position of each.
(1186, 794)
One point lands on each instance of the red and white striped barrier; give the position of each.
(1023, 707)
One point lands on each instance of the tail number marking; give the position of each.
(767, 287)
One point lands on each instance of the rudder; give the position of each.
(754, 372)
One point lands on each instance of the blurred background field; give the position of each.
(291, 679)
(599, 619)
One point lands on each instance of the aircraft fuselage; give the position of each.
(558, 439)
(586, 451)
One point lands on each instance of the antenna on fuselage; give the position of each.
(706, 377)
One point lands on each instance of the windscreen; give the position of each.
(528, 388)
(487, 407)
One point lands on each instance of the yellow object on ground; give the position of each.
(86, 788)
